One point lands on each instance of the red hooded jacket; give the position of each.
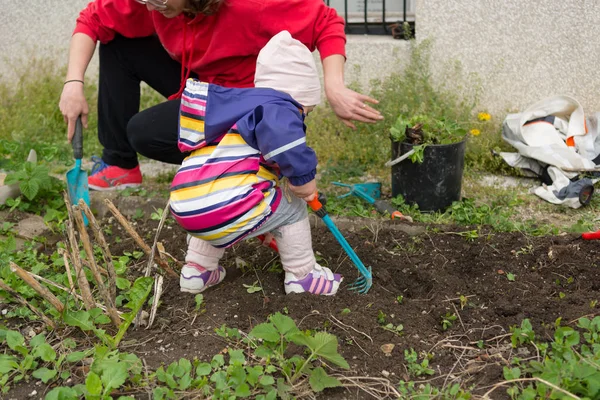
(220, 48)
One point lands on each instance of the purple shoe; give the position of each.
(320, 281)
(196, 279)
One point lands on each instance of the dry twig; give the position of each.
(158, 288)
(42, 291)
(86, 293)
(545, 382)
(158, 280)
(110, 268)
(24, 302)
(65, 255)
(87, 246)
(140, 242)
(70, 291)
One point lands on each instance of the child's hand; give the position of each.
(306, 191)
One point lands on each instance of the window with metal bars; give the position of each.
(377, 17)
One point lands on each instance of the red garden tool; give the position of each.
(272, 243)
(591, 235)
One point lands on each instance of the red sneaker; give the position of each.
(106, 177)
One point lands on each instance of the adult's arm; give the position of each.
(347, 104)
(320, 27)
(100, 21)
(72, 99)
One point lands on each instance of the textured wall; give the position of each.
(522, 50)
(35, 28)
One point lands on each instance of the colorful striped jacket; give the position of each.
(241, 142)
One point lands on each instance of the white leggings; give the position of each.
(291, 229)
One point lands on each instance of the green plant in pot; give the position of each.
(436, 148)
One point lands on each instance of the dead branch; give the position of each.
(158, 288)
(42, 291)
(545, 382)
(86, 293)
(110, 268)
(140, 242)
(153, 250)
(87, 246)
(61, 287)
(24, 302)
(65, 255)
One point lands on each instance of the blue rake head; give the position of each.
(362, 284)
(369, 189)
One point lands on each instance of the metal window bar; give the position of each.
(371, 25)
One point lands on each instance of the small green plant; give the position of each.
(413, 390)
(524, 250)
(399, 299)
(40, 192)
(523, 334)
(463, 301)
(157, 214)
(87, 320)
(568, 363)
(199, 300)
(510, 276)
(255, 287)
(448, 320)
(345, 311)
(137, 214)
(435, 130)
(416, 367)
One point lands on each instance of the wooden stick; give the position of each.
(61, 287)
(24, 302)
(65, 255)
(42, 291)
(89, 250)
(86, 263)
(158, 289)
(110, 268)
(84, 286)
(157, 282)
(154, 251)
(140, 242)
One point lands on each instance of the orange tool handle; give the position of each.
(315, 204)
(272, 243)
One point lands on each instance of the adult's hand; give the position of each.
(72, 100)
(347, 104)
(72, 105)
(350, 106)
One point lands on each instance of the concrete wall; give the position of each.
(522, 51)
(36, 28)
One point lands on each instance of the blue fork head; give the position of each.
(362, 284)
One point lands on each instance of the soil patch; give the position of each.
(553, 277)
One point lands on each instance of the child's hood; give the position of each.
(226, 106)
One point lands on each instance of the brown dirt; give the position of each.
(554, 277)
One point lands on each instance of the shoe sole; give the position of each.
(113, 188)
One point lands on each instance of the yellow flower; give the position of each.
(483, 116)
(475, 132)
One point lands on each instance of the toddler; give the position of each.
(241, 143)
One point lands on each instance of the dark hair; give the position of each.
(206, 7)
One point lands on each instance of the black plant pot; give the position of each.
(435, 183)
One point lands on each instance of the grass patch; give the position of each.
(31, 118)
